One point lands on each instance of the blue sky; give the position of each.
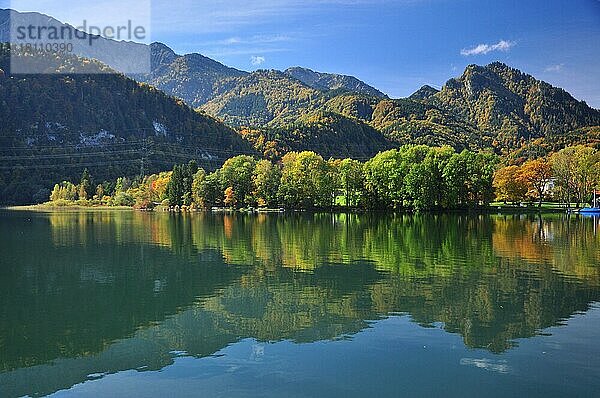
(394, 45)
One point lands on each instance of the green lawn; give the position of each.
(545, 205)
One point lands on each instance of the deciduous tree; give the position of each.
(537, 174)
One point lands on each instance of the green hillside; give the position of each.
(327, 133)
(192, 77)
(265, 97)
(512, 106)
(55, 125)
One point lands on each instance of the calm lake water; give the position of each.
(141, 304)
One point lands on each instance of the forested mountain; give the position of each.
(492, 107)
(192, 77)
(55, 125)
(265, 97)
(328, 133)
(513, 106)
(353, 105)
(487, 107)
(278, 113)
(405, 121)
(330, 81)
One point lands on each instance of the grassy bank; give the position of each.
(495, 208)
(547, 207)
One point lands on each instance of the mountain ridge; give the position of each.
(332, 81)
(192, 77)
(512, 104)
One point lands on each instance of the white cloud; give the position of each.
(252, 40)
(257, 60)
(502, 45)
(554, 68)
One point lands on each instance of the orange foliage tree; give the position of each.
(509, 184)
(537, 174)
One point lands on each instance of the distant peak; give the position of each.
(493, 67)
(427, 87)
(269, 72)
(332, 81)
(498, 64)
(298, 69)
(161, 46)
(424, 93)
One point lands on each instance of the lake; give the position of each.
(123, 303)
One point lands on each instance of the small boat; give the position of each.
(590, 210)
(594, 209)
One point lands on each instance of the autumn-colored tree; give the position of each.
(65, 191)
(99, 192)
(509, 184)
(229, 199)
(536, 174)
(159, 186)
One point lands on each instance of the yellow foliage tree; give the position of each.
(509, 184)
(229, 199)
(536, 174)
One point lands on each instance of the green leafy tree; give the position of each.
(266, 179)
(237, 173)
(351, 180)
(384, 180)
(306, 181)
(179, 188)
(482, 171)
(577, 172)
(209, 191)
(424, 184)
(188, 171)
(199, 178)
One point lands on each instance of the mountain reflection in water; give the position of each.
(85, 294)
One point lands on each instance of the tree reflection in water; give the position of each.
(108, 291)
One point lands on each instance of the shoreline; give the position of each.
(44, 208)
(551, 209)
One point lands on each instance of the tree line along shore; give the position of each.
(411, 178)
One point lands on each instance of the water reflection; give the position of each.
(87, 294)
